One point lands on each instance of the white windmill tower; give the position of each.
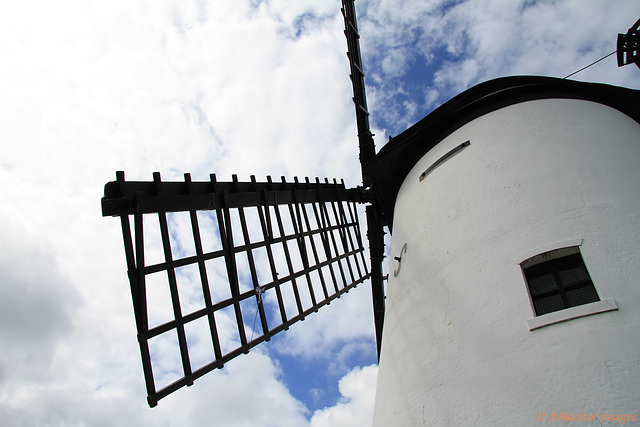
(515, 292)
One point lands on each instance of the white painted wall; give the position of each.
(457, 349)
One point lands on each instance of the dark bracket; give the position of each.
(628, 47)
(301, 242)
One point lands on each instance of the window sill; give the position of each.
(572, 313)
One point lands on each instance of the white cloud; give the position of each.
(36, 305)
(227, 87)
(358, 392)
(324, 334)
(246, 393)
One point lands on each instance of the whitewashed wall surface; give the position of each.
(461, 344)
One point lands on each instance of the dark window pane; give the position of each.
(542, 284)
(573, 275)
(548, 304)
(582, 296)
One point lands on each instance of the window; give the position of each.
(558, 280)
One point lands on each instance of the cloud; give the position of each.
(356, 408)
(246, 393)
(36, 303)
(88, 89)
(323, 334)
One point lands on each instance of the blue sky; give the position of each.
(226, 86)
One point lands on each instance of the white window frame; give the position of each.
(536, 322)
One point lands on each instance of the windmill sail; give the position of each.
(375, 219)
(277, 252)
(365, 137)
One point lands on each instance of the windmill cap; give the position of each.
(395, 160)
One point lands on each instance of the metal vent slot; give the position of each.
(443, 159)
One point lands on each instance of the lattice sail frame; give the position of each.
(197, 309)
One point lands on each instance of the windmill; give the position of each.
(526, 260)
(281, 251)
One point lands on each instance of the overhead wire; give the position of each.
(593, 63)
